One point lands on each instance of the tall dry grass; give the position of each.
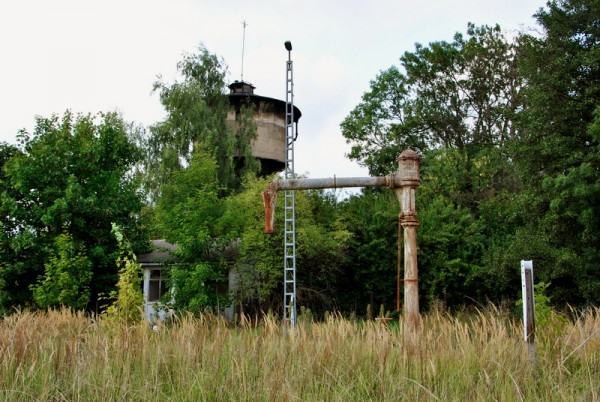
(63, 355)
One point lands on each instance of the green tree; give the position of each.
(321, 249)
(197, 109)
(558, 152)
(562, 71)
(461, 94)
(67, 276)
(369, 275)
(324, 241)
(457, 103)
(11, 244)
(128, 298)
(188, 213)
(451, 247)
(197, 157)
(70, 177)
(259, 264)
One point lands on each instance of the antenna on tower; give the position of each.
(243, 46)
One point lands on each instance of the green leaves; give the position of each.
(460, 94)
(513, 168)
(558, 154)
(197, 109)
(67, 276)
(451, 246)
(70, 179)
(128, 299)
(188, 214)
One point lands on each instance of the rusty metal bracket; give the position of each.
(390, 180)
(269, 200)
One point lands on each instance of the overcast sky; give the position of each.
(91, 56)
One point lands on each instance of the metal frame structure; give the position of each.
(289, 268)
(404, 182)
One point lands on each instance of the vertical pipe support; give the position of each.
(409, 174)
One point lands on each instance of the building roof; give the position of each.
(163, 252)
(242, 91)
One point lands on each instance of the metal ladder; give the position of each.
(289, 268)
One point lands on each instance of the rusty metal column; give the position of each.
(408, 172)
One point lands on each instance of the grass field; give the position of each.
(63, 355)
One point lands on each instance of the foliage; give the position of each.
(369, 276)
(324, 250)
(545, 313)
(197, 109)
(558, 153)
(563, 90)
(450, 251)
(70, 177)
(457, 104)
(67, 276)
(10, 251)
(462, 94)
(509, 171)
(259, 267)
(321, 249)
(188, 213)
(196, 159)
(128, 299)
(451, 246)
(508, 132)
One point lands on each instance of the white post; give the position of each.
(528, 308)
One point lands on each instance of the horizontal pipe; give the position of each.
(391, 181)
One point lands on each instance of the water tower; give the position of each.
(269, 115)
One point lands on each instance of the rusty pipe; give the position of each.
(270, 195)
(391, 181)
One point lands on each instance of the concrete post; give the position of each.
(409, 174)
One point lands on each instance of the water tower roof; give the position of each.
(241, 87)
(241, 91)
